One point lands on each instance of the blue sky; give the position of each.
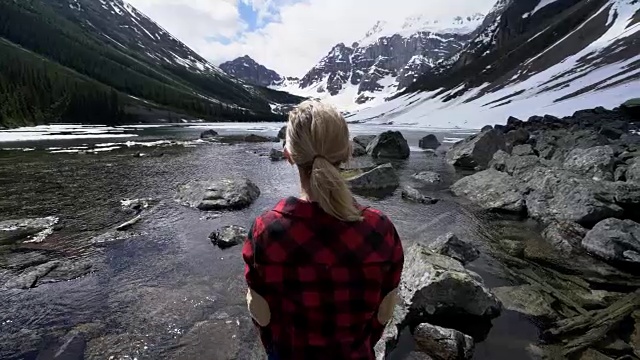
(249, 15)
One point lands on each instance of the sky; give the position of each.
(288, 36)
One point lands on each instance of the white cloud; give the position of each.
(296, 34)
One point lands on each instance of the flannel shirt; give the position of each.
(323, 279)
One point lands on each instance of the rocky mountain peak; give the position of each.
(247, 69)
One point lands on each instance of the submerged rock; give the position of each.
(476, 151)
(26, 230)
(428, 177)
(363, 140)
(29, 277)
(412, 194)
(429, 142)
(381, 177)
(449, 245)
(596, 162)
(389, 144)
(513, 247)
(491, 190)
(564, 235)
(614, 240)
(228, 236)
(443, 344)
(527, 300)
(226, 194)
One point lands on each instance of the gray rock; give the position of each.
(412, 194)
(634, 340)
(429, 142)
(208, 134)
(499, 160)
(29, 277)
(596, 162)
(516, 165)
(611, 132)
(477, 150)
(486, 128)
(381, 177)
(443, 344)
(449, 245)
(620, 174)
(276, 155)
(527, 300)
(67, 269)
(282, 133)
(614, 240)
(389, 144)
(226, 194)
(564, 235)
(438, 285)
(491, 190)
(26, 230)
(633, 171)
(228, 236)
(517, 137)
(363, 140)
(591, 354)
(253, 138)
(110, 237)
(71, 347)
(357, 150)
(513, 247)
(522, 150)
(428, 177)
(136, 206)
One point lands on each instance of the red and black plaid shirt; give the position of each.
(323, 279)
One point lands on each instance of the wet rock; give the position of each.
(208, 134)
(282, 133)
(596, 162)
(26, 230)
(29, 277)
(110, 237)
(381, 177)
(136, 206)
(117, 346)
(412, 194)
(71, 347)
(436, 285)
(499, 160)
(276, 155)
(23, 258)
(67, 269)
(527, 300)
(564, 235)
(127, 224)
(514, 248)
(477, 150)
(522, 150)
(228, 236)
(517, 137)
(429, 142)
(389, 144)
(428, 177)
(614, 240)
(357, 150)
(615, 346)
(226, 194)
(491, 190)
(449, 245)
(363, 140)
(443, 344)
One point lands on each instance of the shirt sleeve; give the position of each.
(396, 262)
(251, 274)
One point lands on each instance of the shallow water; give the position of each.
(150, 294)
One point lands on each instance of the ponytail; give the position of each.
(329, 189)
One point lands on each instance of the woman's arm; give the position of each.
(392, 281)
(258, 306)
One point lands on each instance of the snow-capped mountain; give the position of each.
(387, 59)
(528, 57)
(245, 68)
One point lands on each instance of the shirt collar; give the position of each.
(296, 207)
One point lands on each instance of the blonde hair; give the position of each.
(318, 141)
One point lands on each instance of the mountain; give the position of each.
(387, 59)
(246, 69)
(528, 57)
(103, 61)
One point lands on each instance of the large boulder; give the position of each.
(633, 171)
(443, 344)
(450, 245)
(228, 236)
(596, 162)
(427, 177)
(491, 190)
(415, 195)
(614, 240)
(517, 137)
(632, 108)
(207, 134)
(527, 300)
(477, 150)
(357, 149)
(389, 144)
(436, 285)
(499, 160)
(522, 150)
(276, 155)
(381, 177)
(516, 165)
(564, 235)
(226, 194)
(363, 140)
(429, 142)
(282, 134)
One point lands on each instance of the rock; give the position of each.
(282, 133)
(389, 339)
(633, 171)
(614, 240)
(513, 122)
(591, 354)
(620, 174)
(29, 277)
(429, 142)
(412, 194)
(443, 344)
(71, 347)
(564, 235)
(499, 160)
(527, 300)
(517, 137)
(514, 248)
(596, 162)
(632, 108)
(389, 144)
(357, 149)
(477, 150)
(615, 346)
(428, 177)
(136, 206)
(522, 150)
(486, 128)
(127, 224)
(436, 285)
(634, 340)
(516, 165)
(208, 134)
(381, 177)
(110, 237)
(501, 128)
(67, 269)
(449, 245)
(610, 132)
(228, 236)
(26, 230)
(414, 355)
(226, 194)
(491, 190)
(253, 138)
(363, 140)
(276, 155)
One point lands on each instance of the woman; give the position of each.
(322, 270)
